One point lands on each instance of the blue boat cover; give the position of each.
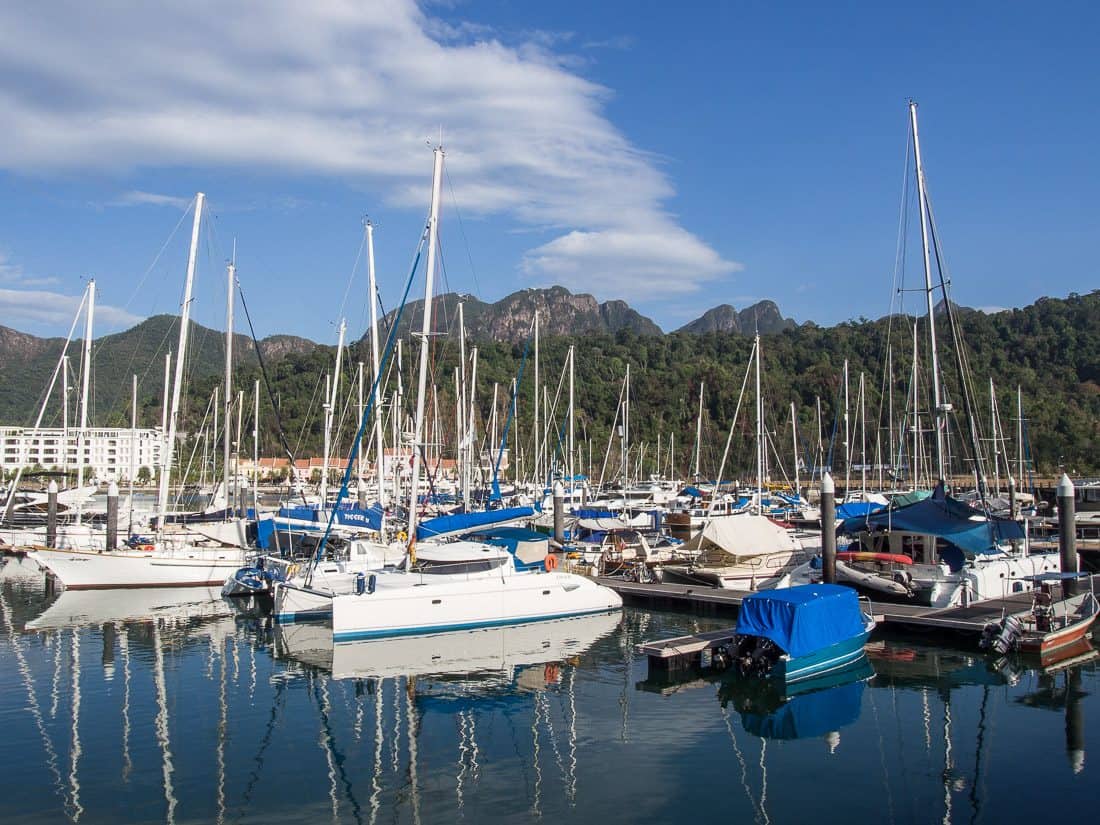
(804, 619)
(693, 491)
(346, 514)
(942, 516)
(808, 715)
(468, 522)
(594, 513)
(856, 509)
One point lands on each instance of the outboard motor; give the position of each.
(1002, 637)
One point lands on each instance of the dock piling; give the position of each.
(1067, 530)
(51, 514)
(112, 516)
(828, 530)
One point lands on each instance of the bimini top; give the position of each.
(803, 619)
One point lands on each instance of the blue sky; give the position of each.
(676, 156)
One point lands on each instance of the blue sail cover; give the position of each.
(944, 517)
(348, 515)
(804, 619)
(467, 522)
(809, 715)
(857, 509)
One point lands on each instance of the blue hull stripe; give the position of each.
(358, 635)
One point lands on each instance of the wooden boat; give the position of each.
(1051, 626)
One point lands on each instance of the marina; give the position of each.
(179, 708)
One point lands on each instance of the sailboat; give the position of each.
(171, 559)
(439, 586)
(938, 551)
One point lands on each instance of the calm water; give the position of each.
(167, 706)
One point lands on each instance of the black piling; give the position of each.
(1067, 530)
(112, 516)
(828, 530)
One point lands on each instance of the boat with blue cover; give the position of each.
(800, 632)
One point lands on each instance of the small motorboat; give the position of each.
(800, 632)
(1052, 625)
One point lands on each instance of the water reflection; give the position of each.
(172, 706)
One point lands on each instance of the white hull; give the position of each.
(399, 607)
(760, 572)
(86, 570)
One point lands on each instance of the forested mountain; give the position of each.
(1051, 349)
(763, 317)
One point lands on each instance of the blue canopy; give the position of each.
(346, 514)
(942, 516)
(803, 619)
(467, 522)
(808, 715)
(693, 491)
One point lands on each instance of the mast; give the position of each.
(1020, 435)
(227, 442)
(539, 478)
(379, 450)
(847, 437)
(759, 434)
(862, 433)
(699, 435)
(996, 441)
(916, 414)
(794, 445)
(471, 441)
(330, 410)
(422, 380)
(177, 384)
(937, 403)
(572, 433)
(85, 382)
(133, 446)
(460, 402)
(890, 406)
(359, 408)
(64, 412)
(256, 448)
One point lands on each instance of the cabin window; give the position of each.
(458, 567)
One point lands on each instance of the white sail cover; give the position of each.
(729, 540)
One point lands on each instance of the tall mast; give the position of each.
(996, 440)
(890, 404)
(539, 478)
(461, 424)
(1020, 436)
(256, 448)
(572, 432)
(133, 445)
(759, 433)
(915, 462)
(177, 384)
(794, 445)
(699, 435)
(847, 436)
(820, 440)
(64, 412)
(422, 380)
(937, 404)
(862, 433)
(470, 431)
(359, 408)
(332, 401)
(85, 383)
(375, 365)
(227, 441)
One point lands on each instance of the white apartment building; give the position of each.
(109, 454)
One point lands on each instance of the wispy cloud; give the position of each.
(136, 197)
(38, 310)
(12, 274)
(351, 90)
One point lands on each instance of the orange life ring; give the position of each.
(550, 562)
(147, 548)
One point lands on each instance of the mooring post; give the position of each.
(559, 513)
(112, 516)
(108, 658)
(828, 529)
(1067, 531)
(51, 514)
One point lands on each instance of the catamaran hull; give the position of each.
(493, 602)
(82, 570)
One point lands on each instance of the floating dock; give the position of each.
(693, 651)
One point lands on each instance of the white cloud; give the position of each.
(136, 197)
(38, 311)
(12, 274)
(349, 90)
